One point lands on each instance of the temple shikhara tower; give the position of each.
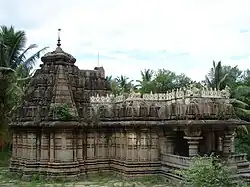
(70, 125)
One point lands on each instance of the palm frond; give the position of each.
(241, 91)
(24, 79)
(6, 69)
(243, 114)
(244, 128)
(20, 41)
(220, 81)
(30, 62)
(217, 74)
(14, 42)
(139, 81)
(238, 103)
(208, 81)
(21, 58)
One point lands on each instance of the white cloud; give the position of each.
(207, 30)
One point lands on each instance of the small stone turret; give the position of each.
(58, 56)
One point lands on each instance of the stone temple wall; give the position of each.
(83, 151)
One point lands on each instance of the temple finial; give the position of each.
(59, 40)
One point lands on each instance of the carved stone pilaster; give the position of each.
(170, 144)
(170, 138)
(227, 142)
(220, 144)
(52, 147)
(193, 136)
(233, 143)
(123, 144)
(227, 145)
(193, 145)
(44, 148)
(218, 141)
(162, 142)
(131, 144)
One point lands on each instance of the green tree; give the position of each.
(165, 80)
(241, 103)
(15, 68)
(241, 99)
(242, 142)
(124, 84)
(14, 51)
(239, 82)
(219, 76)
(113, 84)
(146, 83)
(182, 81)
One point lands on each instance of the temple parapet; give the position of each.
(191, 92)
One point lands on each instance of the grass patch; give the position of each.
(154, 179)
(108, 180)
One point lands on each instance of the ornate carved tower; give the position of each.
(55, 106)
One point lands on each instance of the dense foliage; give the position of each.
(15, 71)
(209, 171)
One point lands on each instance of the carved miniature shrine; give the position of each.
(69, 125)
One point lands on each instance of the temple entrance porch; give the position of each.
(200, 140)
(187, 142)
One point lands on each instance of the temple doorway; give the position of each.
(181, 145)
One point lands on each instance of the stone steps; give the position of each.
(243, 165)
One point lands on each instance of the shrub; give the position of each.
(63, 112)
(208, 171)
(242, 142)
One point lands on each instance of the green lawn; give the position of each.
(95, 181)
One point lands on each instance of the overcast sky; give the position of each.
(184, 36)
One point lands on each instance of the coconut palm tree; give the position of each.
(124, 84)
(14, 51)
(145, 84)
(218, 76)
(241, 101)
(14, 59)
(113, 84)
(15, 68)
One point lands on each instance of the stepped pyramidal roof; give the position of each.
(60, 85)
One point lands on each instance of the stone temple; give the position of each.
(69, 125)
